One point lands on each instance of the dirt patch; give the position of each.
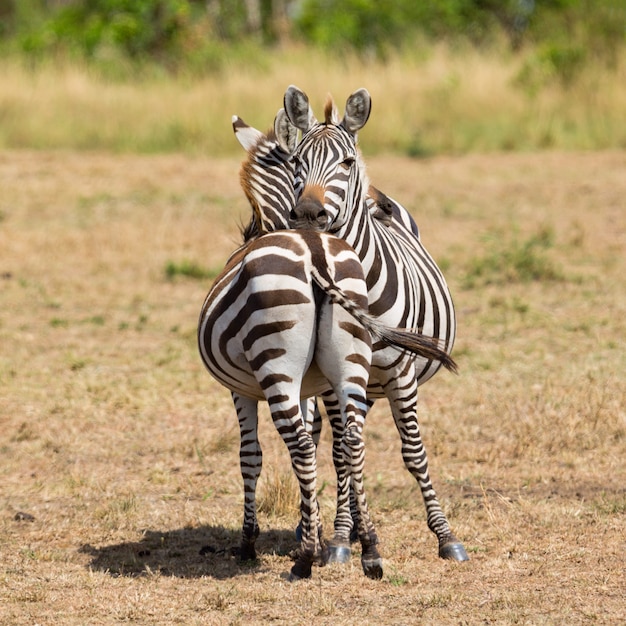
(120, 474)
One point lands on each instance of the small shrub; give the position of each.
(417, 148)
(188, 269)
(549, 64)
(565, 61)
(514, 261)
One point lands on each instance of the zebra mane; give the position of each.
(331, 114)
(250, 230)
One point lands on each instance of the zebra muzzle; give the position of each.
(308, 214)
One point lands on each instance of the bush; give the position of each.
(188, 269)
(137, 28)
(175, 32)
(514, 261)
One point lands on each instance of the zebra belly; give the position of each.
(387, 363)
(245, 384)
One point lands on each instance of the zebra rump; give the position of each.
(402, 338)
(276, 326)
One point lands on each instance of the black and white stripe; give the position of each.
(287, 319)
(405, 286)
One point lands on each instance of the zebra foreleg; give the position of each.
(416, 462)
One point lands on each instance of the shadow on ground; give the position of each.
(187, 553)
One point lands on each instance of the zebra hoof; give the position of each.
(299, 571)
(453, 551)
(247, 552)
(372, 568)
(338, 554)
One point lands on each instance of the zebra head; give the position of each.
(266, 175)
(329, 176)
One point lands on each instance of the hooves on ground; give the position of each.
(453, 551)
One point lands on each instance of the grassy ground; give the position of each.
(437, 101)
(121, 498)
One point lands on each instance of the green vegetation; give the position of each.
(178, 32)
(188, 269)
(451, 76)
(508, 260)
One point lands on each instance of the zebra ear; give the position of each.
(358, 109)
(286, 133)
(246, 135)
(298, 109)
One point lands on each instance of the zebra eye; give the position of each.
(347, 163)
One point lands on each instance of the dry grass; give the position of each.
(121, 497)
(440, 102)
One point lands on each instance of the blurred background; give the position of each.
(446, 76)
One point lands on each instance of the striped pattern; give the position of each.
(266, 178)
(405, 286)
(285, 320)
(261, 335)
(400, 273)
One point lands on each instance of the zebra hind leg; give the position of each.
(247, 550)
(313, 425)
(354, 452)
(306, 558)
(417, 463)
(338, 548)
(250, 461)
(302, 451)
(347, 514)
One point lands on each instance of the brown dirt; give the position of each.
(121, 497)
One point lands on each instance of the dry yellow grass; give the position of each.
(440, 102)
(121, 495)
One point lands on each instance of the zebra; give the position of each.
(405, 286)
(267, 179)
(279, 325)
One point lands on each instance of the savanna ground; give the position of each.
(120, 490)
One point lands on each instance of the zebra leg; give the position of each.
(347, 515)
(289, 422)
(354, 453)
(338, 548)
(354, 511)
(250, 462)
(345, 362)
(403, 401)
(313, 425)
(313, 419)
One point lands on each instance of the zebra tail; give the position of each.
(402, 338)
